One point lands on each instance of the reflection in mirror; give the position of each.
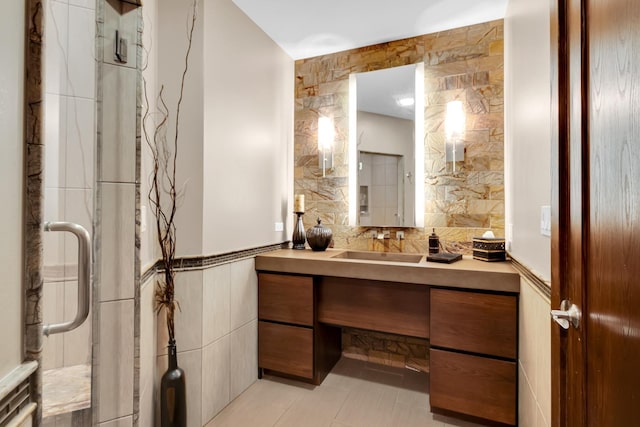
(382, 196)
(386, 151)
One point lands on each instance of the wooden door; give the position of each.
(596, 205)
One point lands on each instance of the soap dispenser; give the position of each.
(434, 243)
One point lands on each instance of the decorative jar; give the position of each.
(319, 237)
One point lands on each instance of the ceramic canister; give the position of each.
(319, 237)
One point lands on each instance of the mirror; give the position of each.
(386, 151)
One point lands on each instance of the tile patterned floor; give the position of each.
(354, 394)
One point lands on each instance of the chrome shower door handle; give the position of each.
(84, 276)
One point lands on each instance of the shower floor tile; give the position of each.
(66, 390)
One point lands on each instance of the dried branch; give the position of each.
(163, 194)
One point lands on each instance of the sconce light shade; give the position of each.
(454, 127)
(454, 122)
(326, 136)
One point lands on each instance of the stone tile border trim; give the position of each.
(16, 393)
(207, 261)
(34, 195)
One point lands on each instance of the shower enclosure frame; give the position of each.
(34, 200)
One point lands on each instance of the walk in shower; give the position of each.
(69, 135)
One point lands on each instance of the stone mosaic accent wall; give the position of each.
(34, 199)
(386, 349)
(461, 64)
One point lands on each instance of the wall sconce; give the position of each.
(454, 127)
(326, 135)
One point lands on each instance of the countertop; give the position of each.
(467, 273)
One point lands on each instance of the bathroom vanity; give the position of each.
(467, 310)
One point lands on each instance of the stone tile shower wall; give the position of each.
(116, 296)
(461, 64)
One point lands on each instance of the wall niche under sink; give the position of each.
(386, 349)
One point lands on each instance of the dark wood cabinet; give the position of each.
(287, 349)
(397, 308)
(473, 385)
(290, 339)
(287, 299)
(473, 334)
(473, 354)
(474, 322)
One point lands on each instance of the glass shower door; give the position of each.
(69, 140)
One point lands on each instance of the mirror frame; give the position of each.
(418, 149)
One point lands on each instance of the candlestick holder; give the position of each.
(299, 236)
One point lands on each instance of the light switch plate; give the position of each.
(545, 221)
(279, 226)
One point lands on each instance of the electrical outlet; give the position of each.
(279, 226)
(400, 235)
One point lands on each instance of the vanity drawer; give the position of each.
(285, 298)
(286, 349)
(474, 322)
(396, 308)
(473, 385)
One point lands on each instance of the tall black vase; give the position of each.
(173, 395)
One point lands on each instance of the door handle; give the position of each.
(569, 314)
(84, 276)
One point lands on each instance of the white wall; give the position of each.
(11, 188)
(528, 187)
(384, 134)
(236, 160)
(528, 130)
(248, 133)
(171, 42)
(236, 131)
(149, 250)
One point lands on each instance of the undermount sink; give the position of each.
(379, 256)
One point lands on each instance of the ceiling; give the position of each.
(305, 28)
(380, 91)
